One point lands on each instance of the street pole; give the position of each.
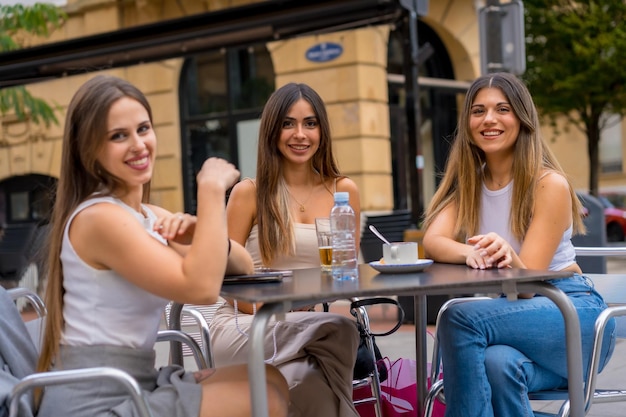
(415, 166)
(494, 36)
(414, 155)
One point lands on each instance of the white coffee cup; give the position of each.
(400, 253)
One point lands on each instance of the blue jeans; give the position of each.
(496, 351)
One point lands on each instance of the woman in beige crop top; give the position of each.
(296, 178)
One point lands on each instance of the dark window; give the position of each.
(26, 199)
(438, 113)
(220, 91)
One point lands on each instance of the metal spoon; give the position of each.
(378, 234)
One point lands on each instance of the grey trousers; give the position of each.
(315, 352)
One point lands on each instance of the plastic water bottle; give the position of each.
(343, 230)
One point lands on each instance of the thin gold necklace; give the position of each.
(296, 200)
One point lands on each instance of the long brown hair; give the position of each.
(463, 178)
(273, 214)
(81, 175)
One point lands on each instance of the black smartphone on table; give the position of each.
(263, 275)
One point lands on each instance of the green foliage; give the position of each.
(575, 53)
(16, 21)
(19, 100)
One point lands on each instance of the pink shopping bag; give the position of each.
(399, 391)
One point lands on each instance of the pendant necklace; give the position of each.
(301, 208)
(498, 184)
(501, 184)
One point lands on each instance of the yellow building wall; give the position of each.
(456, 23)
(354, 87)
(564, 141)
(617, 181)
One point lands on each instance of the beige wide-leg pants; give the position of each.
(315, 351)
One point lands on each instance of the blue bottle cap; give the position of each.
(342, 197)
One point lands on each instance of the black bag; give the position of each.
(364, 364)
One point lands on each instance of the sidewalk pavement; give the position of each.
(401, 344)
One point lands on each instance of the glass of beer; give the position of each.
(324, 243)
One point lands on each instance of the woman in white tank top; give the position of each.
(115, 261)
(505, 202)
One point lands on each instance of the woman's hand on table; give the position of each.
(489, 251)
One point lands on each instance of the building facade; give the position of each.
(209, 104)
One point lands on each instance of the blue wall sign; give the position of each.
(324, 52)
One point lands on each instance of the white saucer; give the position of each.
(420, 265)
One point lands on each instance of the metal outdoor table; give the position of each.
(308, 286)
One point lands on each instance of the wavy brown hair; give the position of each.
(273, 214)
(81, 175)
(464, 174)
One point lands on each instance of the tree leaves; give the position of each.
(16, 23)
(575, 64)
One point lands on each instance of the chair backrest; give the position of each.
(19, 354)
(194, 320)
(617, 310)
(392, 226)
(28, 301)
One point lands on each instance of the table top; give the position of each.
(313, 284)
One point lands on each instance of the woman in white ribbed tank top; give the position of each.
(504, 202)
(115, 261)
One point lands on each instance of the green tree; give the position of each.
(17, 21)
(576, 65)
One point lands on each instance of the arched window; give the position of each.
(26, 203)
(222, 94)
(438, 112)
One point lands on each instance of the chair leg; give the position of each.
(363, 319)
(564, 410)
(435, 392)
(205, 336)
(375, 379)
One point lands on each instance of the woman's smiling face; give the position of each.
(130, 146)
(493, 124)
(300, 133)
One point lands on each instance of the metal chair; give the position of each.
(373, 379)
(592, 394)
(42, 379)
(194, 320)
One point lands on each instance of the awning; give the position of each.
(256, 23)
(266, 21)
